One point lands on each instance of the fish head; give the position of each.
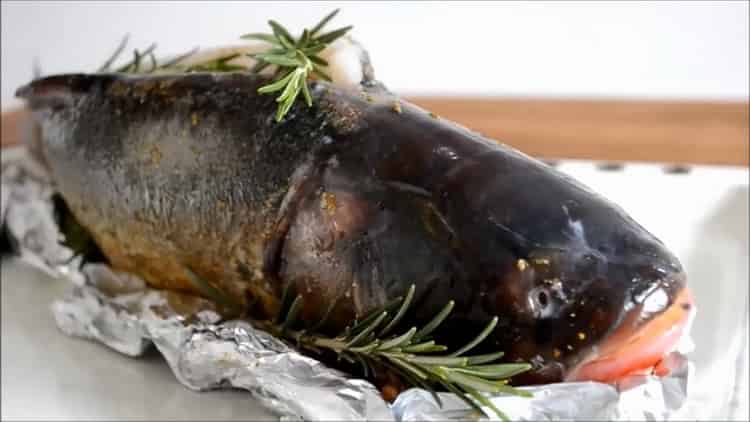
(603, 310)
(582, 291)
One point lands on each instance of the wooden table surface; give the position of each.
(686, 132)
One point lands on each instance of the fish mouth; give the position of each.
(637, 347)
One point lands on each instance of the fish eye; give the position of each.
(540, 301)
(542, 298)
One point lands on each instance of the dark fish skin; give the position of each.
(348, 202)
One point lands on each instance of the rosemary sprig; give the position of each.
(417, 359)
(296, 60)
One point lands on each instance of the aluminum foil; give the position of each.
(205, 353)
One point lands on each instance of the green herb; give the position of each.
(417, 359)
(137, 65)
(106, 66)
(296, 59)
(220, 64)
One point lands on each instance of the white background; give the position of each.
(617, 49)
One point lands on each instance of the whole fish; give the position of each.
(349, 202)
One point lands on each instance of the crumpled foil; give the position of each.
(205, 353)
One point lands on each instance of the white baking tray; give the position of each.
(701, 215)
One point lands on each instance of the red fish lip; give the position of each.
(637, 348)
